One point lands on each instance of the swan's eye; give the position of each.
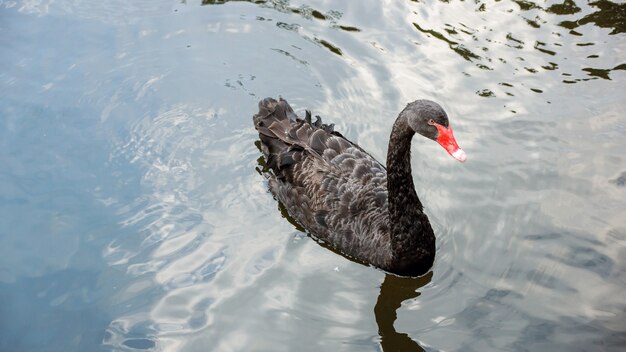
(431, 122)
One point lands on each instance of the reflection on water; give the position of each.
(133, 217)
(393, 291)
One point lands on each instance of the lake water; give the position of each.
(133, 217)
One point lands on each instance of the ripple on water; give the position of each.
(530, 230)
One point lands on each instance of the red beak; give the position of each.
(447, 141)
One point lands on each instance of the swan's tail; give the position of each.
(273, 121)
(276, 119)
(286, 139)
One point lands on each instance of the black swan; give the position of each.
(343, 196)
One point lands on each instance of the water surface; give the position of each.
(133, 217)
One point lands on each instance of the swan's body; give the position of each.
(342, 195)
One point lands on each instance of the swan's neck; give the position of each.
(412, 238)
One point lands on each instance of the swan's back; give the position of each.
(333, 188)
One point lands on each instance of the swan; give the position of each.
(343, 196)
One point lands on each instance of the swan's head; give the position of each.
(428, 119)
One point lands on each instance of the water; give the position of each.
(133, 216)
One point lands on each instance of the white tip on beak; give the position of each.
(459, 155)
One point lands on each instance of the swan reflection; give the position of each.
(393, 291)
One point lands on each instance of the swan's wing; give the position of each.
(330, 185)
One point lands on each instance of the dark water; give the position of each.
(132, 216)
